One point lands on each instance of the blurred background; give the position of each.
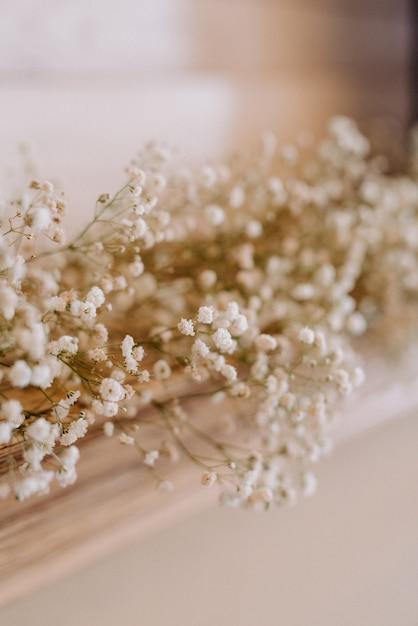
(86, 84)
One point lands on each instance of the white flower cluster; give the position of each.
(243, 284)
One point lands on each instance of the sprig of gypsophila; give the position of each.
(239, 287)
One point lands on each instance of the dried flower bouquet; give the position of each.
(242, 285)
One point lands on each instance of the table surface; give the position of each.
(347, 556)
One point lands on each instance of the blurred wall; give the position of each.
(87, 82)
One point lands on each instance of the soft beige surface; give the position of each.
(348, 556)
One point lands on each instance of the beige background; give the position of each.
(85, 83)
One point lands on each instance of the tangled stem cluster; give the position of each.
(240, 288)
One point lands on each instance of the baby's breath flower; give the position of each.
(97, 354)
(254, 229)
(41, 376)
(20, 374)
(215, 214)
(6, 430)
(169, 450)
(39, 430)
(223, 340)
(37, 483)
(76, 430)
(200, 349)
(95, 296)
(303, 291)
(151, 457)
(101, 333)
(266, 342)
(207, 278)
(238, 326)
(205, 315)
(40, 218)
(111, 390)
(8, 301)
(127, 345)
(288, 264)
(358, 377)
(165, 486)
(186, 327)
(236, 197)
(307, 335)
(12, 411)
(126, 439)
(208, 478)
(108, 429)
(161, 369)
(66, 346)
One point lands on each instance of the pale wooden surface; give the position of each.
(114, 501)
(347, 556)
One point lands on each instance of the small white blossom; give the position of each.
(151, 457)
(127, 345)
(303, 291)
(40, 218)
(40, 430)
(6, 430)
(208, 478)
(101, 333)
(138, 353)
(95, 296)
(41, 376)
(207, 279)
(229, 372)
(223, 340)
(66, 476)
(111, 390)
(109, 409)
(97, 355)
(215, 214)
(34, 455)
(200, 349)
(232, 311)
(70, 456)
(358, 377)
(126, 439)
(236, 197)
(309, 484)
(161, 369)
(238, 326)
(108, 429)
(205, 315)
(8, 301)
(20, 374)
(12, 411)
(165, 486)
(87, 311)
(266, 342)
(306, 335)
(65, 345)
(356, 323)
(38, 483)
(186, 327)
(76, 430)
(254, 229)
